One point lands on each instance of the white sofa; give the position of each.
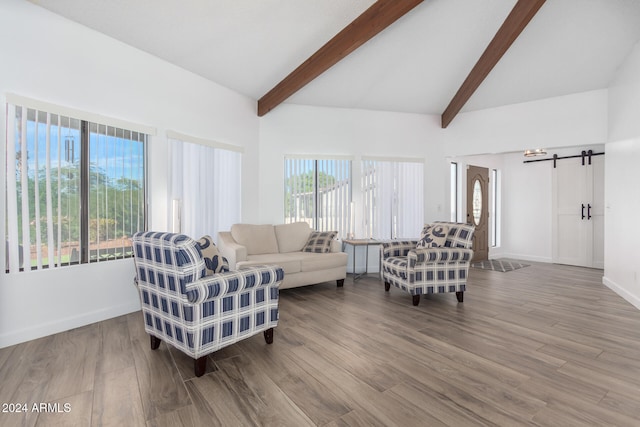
(282, 245)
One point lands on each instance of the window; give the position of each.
(75, 189)
(206, 183)
(454, 191)
(393, 193)
(318, 192)
(495, 212)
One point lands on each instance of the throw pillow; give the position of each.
(320, 241)
(433, 236)
(214, 262)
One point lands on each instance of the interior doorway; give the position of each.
(478, 209)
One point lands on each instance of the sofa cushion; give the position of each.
(292, 237)
(319, 241)
(433, 236)
(213, 261)
(258, 239)
(290, 263)
(316, 262)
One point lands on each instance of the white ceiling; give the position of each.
(416, 65)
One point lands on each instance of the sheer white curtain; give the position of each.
(205, 186)
(393, 194)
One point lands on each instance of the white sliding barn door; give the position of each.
(578, 212)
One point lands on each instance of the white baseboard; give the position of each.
(61, 325)
(523, 257)
(629, 297)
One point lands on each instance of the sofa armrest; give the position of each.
(394, 248)
(234, 282)
(230, 249)
(336, 246)
(434, 255)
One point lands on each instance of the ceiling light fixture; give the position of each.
(536, 152)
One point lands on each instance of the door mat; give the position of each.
(502, 265)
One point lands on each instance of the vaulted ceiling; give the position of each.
(417, 64)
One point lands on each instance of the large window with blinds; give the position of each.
(453, 199)
(318, 191)
(393, 193)
(75, 189)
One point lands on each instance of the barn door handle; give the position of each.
(589, 211)
(583, 211)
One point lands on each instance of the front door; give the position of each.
(478, 209)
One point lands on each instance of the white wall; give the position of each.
(565, 121)
(527, 203)
(622, 175)
(295, 129)
(49, 58)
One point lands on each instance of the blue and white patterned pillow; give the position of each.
(214, 262)
(433, 236)
(319, 241)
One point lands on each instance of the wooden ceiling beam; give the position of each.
(518, 18)
(372, 21)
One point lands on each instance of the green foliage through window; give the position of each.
(55, 166)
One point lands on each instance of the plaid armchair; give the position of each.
(195, 313)
(429, 270)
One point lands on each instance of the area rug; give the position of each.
(502, 265)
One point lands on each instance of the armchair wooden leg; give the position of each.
(387, 285)
(460, 296)
(340, 282)
(416, 299)
(155, 342)
(200, 366)
(268, 336)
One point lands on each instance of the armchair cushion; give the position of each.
(213, 261)
(433, 236)
(320, 241)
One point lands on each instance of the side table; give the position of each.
(354, 243)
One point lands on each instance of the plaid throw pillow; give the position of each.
(214, 262)
(433, 236)
(320, 241)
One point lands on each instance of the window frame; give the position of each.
(495, 207)
(453, 191)
(84, 191)
(319, 222)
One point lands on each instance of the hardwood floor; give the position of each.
(545, 345)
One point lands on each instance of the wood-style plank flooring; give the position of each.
(545, 345)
